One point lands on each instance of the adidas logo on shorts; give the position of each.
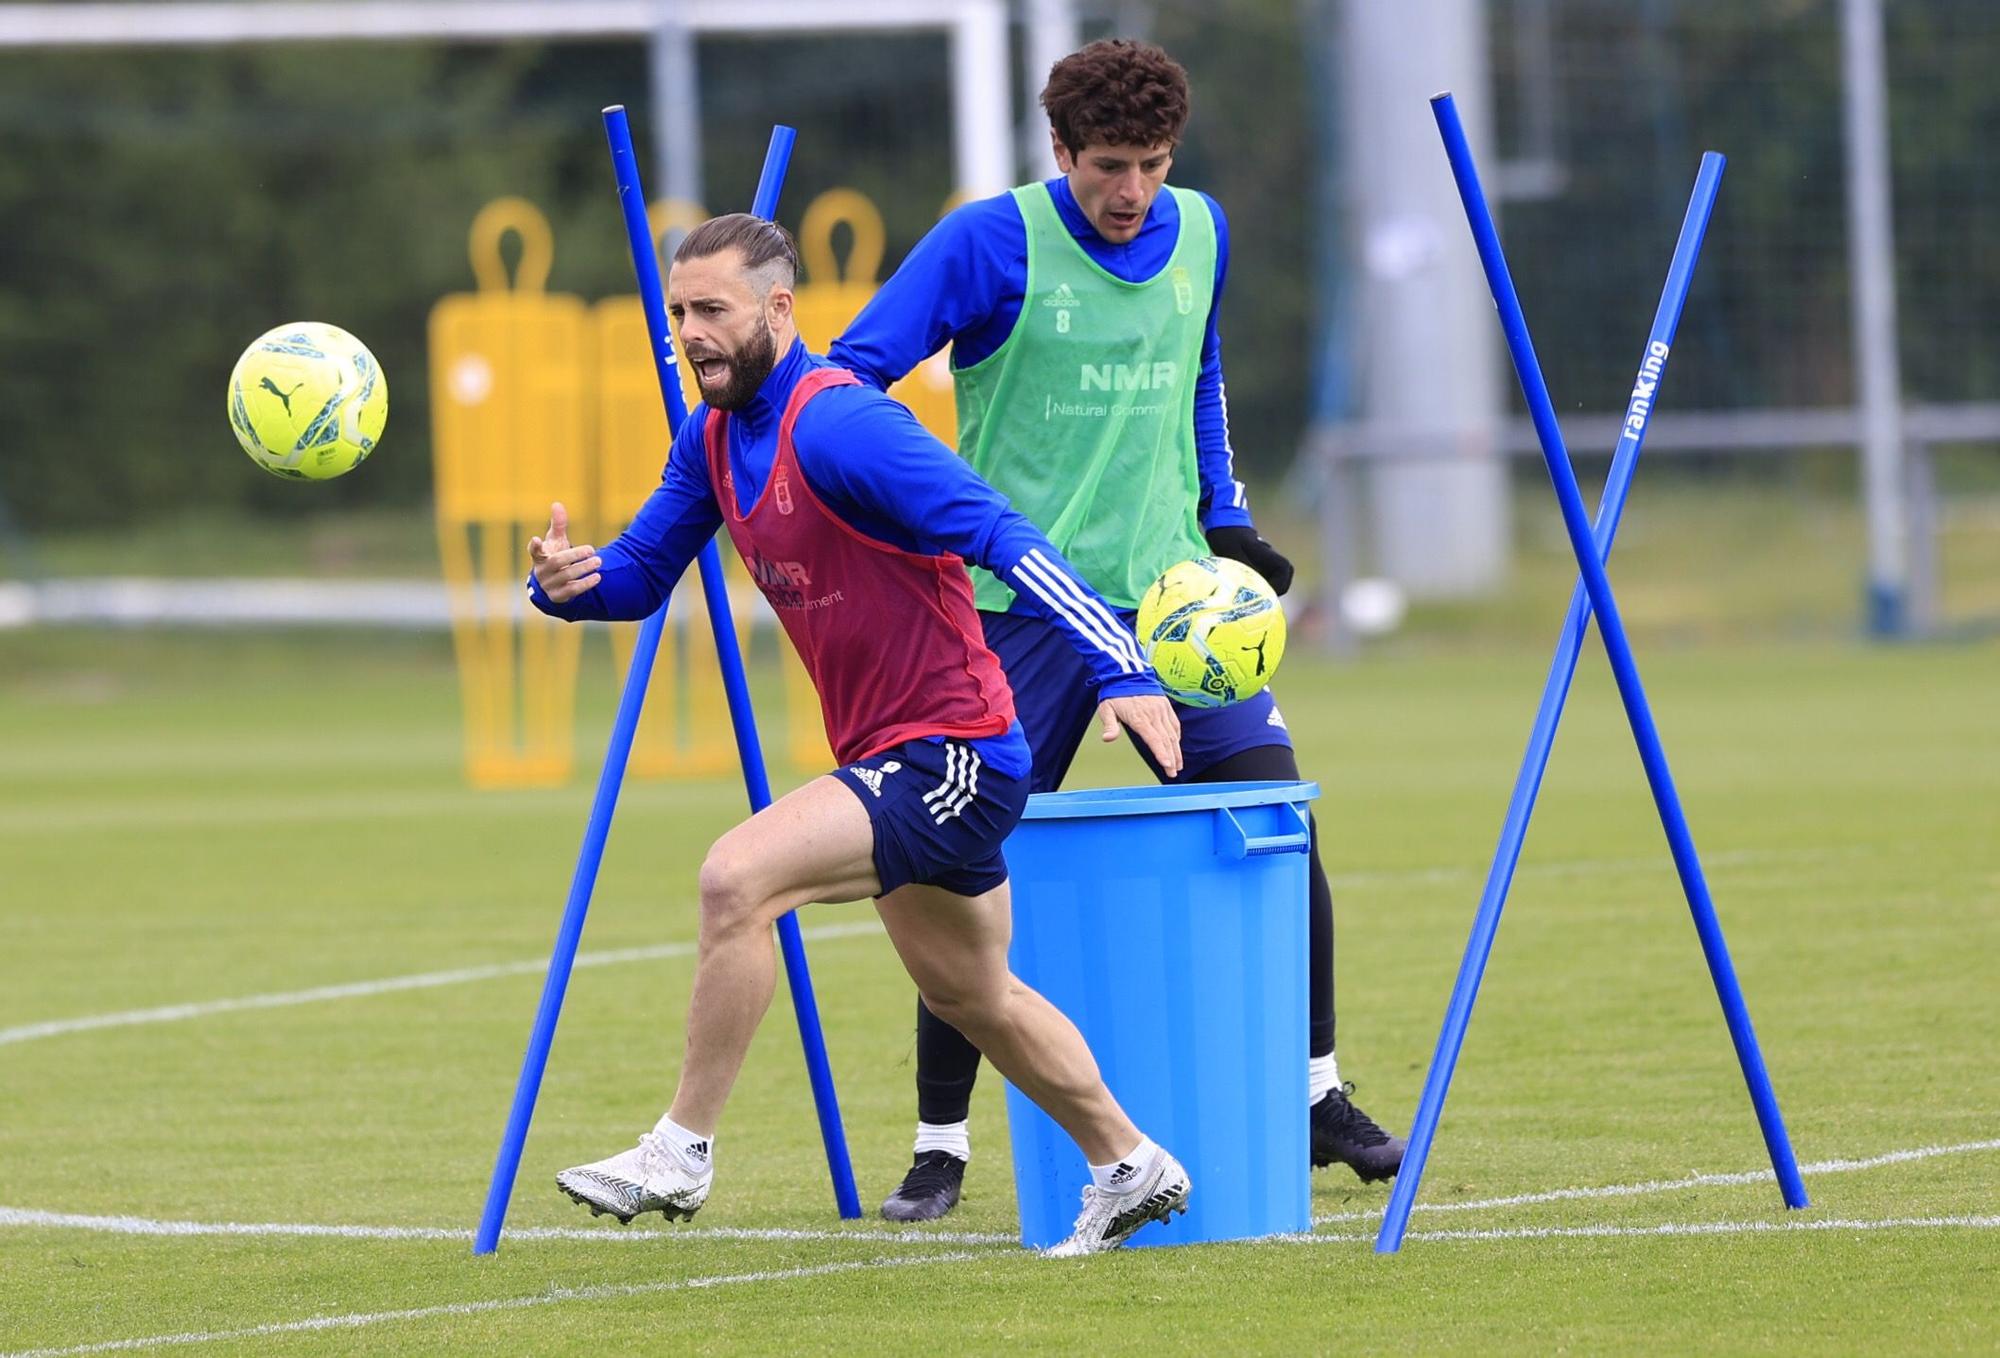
(872, 778)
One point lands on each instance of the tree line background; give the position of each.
(158, 209)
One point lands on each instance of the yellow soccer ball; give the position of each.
(308, 401)
(1213, 630)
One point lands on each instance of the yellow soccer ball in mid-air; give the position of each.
(1213, 630)
(308, 401)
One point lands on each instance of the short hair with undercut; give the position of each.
(1118, 92)
(768, 249)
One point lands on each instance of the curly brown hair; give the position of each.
(1117, 92)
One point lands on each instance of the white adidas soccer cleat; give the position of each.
(1110, 1216)
(651, 1177)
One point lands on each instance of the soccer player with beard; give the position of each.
(1081, 312)
(855, 523)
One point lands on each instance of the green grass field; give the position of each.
(195, 821)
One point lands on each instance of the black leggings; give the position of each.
(948, 1065)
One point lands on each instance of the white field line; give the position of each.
(1574, 867)
(1670, 1185)
(551, 1297)
(150, 815)
(173, 1013)
(1976, 1223)
(600, 1292)
(21, 1217)
(25, 1217)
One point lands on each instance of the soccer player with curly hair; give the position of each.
(1081, 312)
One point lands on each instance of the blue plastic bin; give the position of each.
(1169, 923)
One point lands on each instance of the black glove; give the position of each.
(1241, 543)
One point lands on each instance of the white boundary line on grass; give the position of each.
(114, 1225)
(173, 1013)
(1573, 867)
(1669, 1185)
(554, 1295)
(604, 1291)
(22, 1217)
(25, 1217)
(1978, 1223)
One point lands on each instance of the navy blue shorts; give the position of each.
(940, 811)
(1057, 705)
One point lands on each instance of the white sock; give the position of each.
(1322, 1077)
(1127, 1167)
(693, 1149)
(953, 1138)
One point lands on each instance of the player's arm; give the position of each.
(1225, 510)
(873, 456)
(965, 277)
(632, 575)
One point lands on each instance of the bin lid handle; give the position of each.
(1233, 841)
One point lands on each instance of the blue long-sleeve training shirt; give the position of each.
(869, 461)
(963, 285)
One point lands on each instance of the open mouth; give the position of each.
(710, 371)
(1123, 221)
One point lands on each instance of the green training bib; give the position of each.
(1084, 417)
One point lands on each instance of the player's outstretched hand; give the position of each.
(561, 570)
(1151, 718)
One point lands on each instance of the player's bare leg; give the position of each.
(955, 948)
(814, 844)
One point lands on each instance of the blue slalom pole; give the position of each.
(715, 591)
(569, 934)
(1624, 669)
(1562, 669)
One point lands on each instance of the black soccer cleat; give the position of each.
(1343, 1134)
(929, 1190)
